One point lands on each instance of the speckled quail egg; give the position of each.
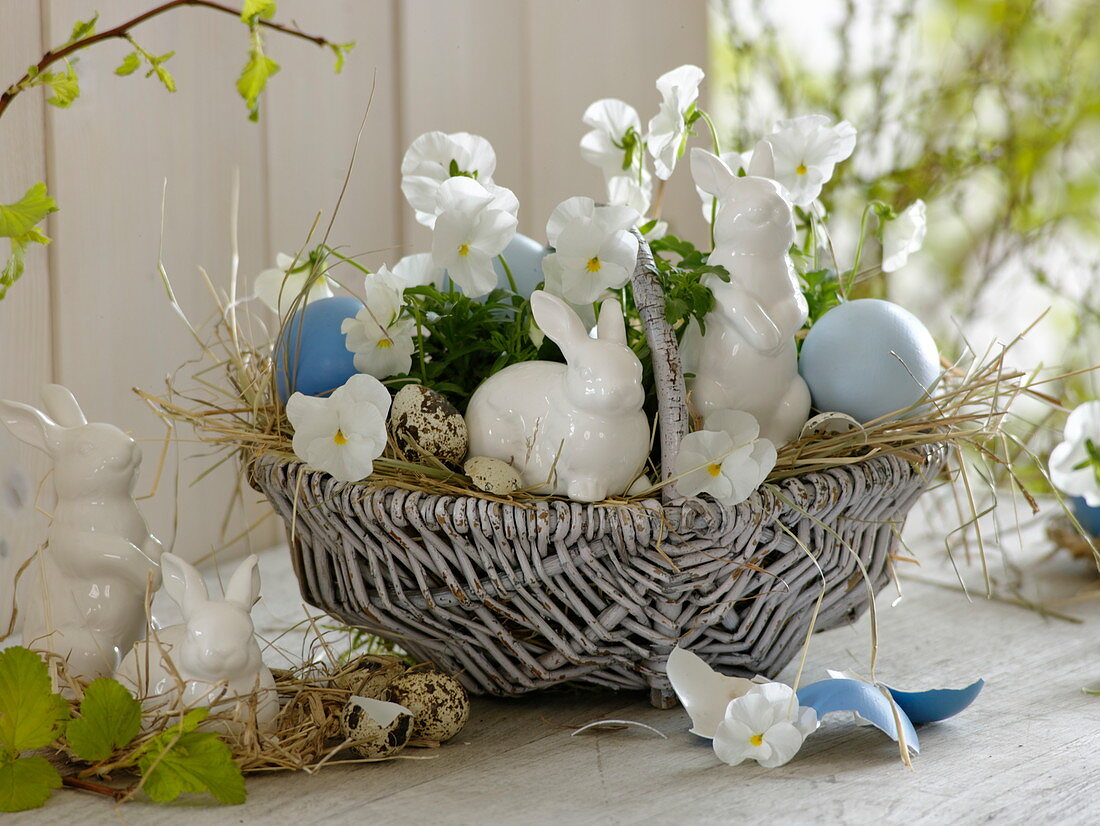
(439, 703)
(493, 475)
(425, 424)
(378, 728)
(369, 674)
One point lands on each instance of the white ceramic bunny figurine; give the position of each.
(211, 658)
(747, 359)
(84, 598)
(574, 429)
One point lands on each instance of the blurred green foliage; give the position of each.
(989, 110)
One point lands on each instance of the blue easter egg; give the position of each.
(524, 256)
(1088, 516)
(868, 358)
(311, 356)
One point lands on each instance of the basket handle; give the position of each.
(668, 372)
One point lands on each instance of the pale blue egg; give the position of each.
(524, 256)
(311, 356)
(1087, 515)
(868, 358)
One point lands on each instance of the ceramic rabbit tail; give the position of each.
(748, 360)
(574, 429)
(84, 598)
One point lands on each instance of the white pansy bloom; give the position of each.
(419, 270)
(765, 724)
(1075, 463)
(611, 120)
(703, 692)
(594, 249)
(806, 150)
(667, 129)
(726, 459)
(903, 236)
(278, 287)
(625, 190)
(436, 156)
(736, 161)
(472, 228)
(380, 336)
(344, 433)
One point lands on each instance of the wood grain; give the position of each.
(26, 341)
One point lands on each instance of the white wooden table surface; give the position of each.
(1026, 751)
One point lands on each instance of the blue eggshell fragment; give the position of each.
(865, 700)
(868, 358)
(1088, 516)
(524, 256)
(936, 704)
(311, 355)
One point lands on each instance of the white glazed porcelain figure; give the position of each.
(574, 429)
(84, 598)
(747, 360)
(211, 658)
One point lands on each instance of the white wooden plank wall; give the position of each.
(90, 312)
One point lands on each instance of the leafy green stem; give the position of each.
(123, 32)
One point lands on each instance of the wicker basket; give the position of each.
(517, 597)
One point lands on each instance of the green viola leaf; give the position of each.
(109, 719)
(31, 714)
(26, 783)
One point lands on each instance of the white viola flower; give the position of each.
(594, 249)
(903, 236)
(625, 190)
(419, 270)
(806, 150)
(612, 121)
(279, 286)
(436, 156)
(765, 724)
(1075, 463)
(736, 161)
(344, 433)
(472, 228)
(668, 129)
(380, 336)
(726, 459)
(703, 692)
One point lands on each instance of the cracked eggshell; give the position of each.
(369, 674)
(438, 702)
(493, 475)
(425, 424)
(378, 728)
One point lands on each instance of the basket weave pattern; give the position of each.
(516, 597)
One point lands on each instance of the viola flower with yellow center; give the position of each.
(344, 433)
(765, 724)
(435, 157)
(727, 459)
(668, 129)
(807, 150)
(594, 249)
(473, 227)
(381, 335)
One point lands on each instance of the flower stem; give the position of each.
(863, 223)
(516, 298)
(713, 132)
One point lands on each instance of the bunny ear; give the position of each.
(611, 326)
(559, 321)
(244, 586)
(762, 164)
(183, 583)
(62, 405)
(710, 172)
(31, 426)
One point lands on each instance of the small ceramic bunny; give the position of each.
(84, 598)
(211, 658)
(747, 360)
(574, 429)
